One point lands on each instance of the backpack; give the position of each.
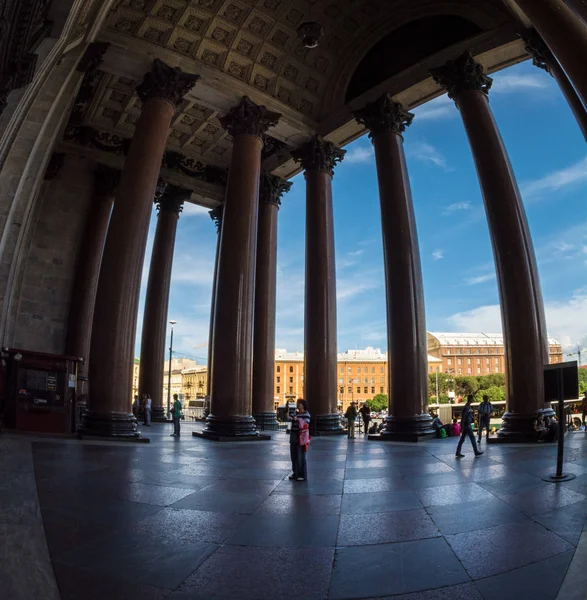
(443, 433)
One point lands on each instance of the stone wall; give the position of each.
(49, 267)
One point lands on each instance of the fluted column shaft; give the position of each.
(408, 418)
(272, 188)
(230, 406)
(522, 307)
(216, 216)
(169, 201)
(564, 33)
(318, 157)
(115, 314)
(83, 296)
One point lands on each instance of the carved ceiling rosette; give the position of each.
(537, 49)
(248, 118)
(216, 215)
(272, 188)
(170, 198)
(384, 115)
(168, 83)
(462, 74)
(318, 155)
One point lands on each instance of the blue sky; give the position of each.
(549, 158)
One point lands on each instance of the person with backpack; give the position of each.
(485, 409)
(299, 441)
(176, 415)
(351, 416)
(467, 429)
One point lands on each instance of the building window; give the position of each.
(278, 389)
(291, 390)
(478, 361)
(366, 390)
(372, 380)
(342, 369)
(429, 369)
(459, 361)
(487, 370)
(279, 380)
(291, 379)
(366, 370)
(350, 370)
(290, 369)
(278, 368)
(497, 369)
(460, 371)
(366, 380)
(381, 369)
(449, 351)
(468, 361)
(350, 380)
(486, 350)
(479, 370)
(381, 390)
(449, 362)
(341, 391)
(341, 380)
(381, 380)
(497, 361)
(469, 371)
(358, 390)
(486, 361)
(350, 390)
(372, 390)
(372, 369)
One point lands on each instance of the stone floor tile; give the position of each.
(358, 486)
(543, 499)
(389, 569)
(222, 502)
(463, 591)
(435, 480)
(364, 529)
(426, 468)
(311, 487)
(567, 522)
(502, 486)
(260, 486)
(538, 581)
(140, 559)
(290, 504)
(472, 516)
(286, 531)
(380, 502)
(452, 494)
(240, 573)
(371, 472)
(498, 549)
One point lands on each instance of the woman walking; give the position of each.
(299, 441)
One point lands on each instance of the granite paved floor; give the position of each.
(192, 519)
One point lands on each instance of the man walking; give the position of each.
(351, 415)
(485, 410)
(176, 414)
(147, 410)
(366, 414)
(467, 428)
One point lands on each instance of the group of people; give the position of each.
(145, 407)
(351, 415)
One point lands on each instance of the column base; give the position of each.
(230, 427)
(266, 420)
(407, 429)
(158, 414)
(326, 425)
(109, 425)
(519, 427)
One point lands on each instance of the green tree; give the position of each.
(378, 402)
(582, 381)
(443, 384)
(466, 385)
(495, 393)
(493, 380)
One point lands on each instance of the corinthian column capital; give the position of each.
(170, 198)
(384, 115)
(216, 215)
(248, 118)
(460, 75)
(537, 49)
(318, 155)
(272, 188)
(168, 83)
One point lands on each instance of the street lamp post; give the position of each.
(172, 323)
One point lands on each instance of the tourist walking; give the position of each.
(176, 415)
(485, 409)
(467, 429)
(147, 410)
(299, 440)
(351, 416)
(366, 414)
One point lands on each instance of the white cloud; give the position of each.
(508, 83)
(194, 210)
(456, 207)
(568, 177)
(479, 279)
(355, 253)
(566, 320)
(359, 154)
(438, 255)
(193, 271)
(425, 152)
(439, 108)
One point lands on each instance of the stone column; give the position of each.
(83, 296)
(272, 188)
(169, 200)
(115, 315)
(230, 403)
(522, 308)
(408, 418)
(543, 58)
(216, 216)
(564, 33)
(318, 158)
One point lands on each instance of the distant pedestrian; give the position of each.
(584, 408)
(176, 415)
(147, 410)
(467, 429)
(373, 428)
(135, 405)
(485, 410)
(299, 440)
(366, 414)
(351, 416)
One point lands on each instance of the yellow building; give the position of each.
(194, 383)
(135, 378)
